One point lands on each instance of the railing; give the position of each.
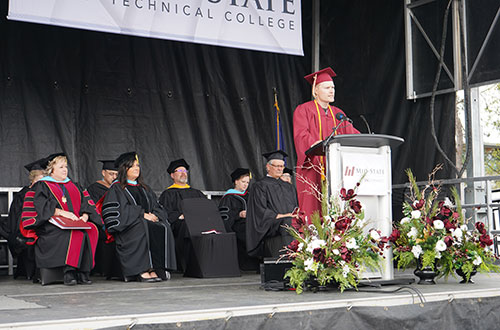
(10, 196)
(490, 208)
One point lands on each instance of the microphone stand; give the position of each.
(325, 143)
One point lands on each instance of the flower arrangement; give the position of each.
(434, 234)
(334, 247)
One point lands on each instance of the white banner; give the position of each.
(266, 25)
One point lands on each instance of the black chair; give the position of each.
(214, 254)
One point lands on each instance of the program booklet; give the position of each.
(66, 223)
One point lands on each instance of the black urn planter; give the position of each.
(464, 277)
(426, 275)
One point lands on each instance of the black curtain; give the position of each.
(95, 95)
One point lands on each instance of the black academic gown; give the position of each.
(171, 200)
(141, 245)
(230, 206)
(106, 260)
(56, 247)
(267, 198)
(24, 253)
(97, 190)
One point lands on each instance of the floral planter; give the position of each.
(426, 274)
(464, 277)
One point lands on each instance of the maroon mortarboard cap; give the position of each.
(276, 154)
(176, 164)
(125, 158)
(239, 172)
(109, 165)
(323, 75)
(40, 164)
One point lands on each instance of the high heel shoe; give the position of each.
(145, 280)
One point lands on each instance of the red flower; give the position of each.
(449, 225)
(342, 224)
(480, 228)
(319, 255)
(355, 206)
(394, 235)
(418, 205)
(444, 210)
(448, 241)
(485, 240)
(294, 245)
(347, 195)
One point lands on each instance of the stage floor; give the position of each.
(114, 303)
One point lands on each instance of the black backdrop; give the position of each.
(95, 95)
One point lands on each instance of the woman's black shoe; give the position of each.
(83, 278)
(69, 278)
(146, 280)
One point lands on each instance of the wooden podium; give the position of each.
(348, 158)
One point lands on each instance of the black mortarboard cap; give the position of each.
(176, 164)
(276, 154)
(52, 156)
(40, 164)
(126, 157)
(108, 165)
(238, 173)
(288, 170)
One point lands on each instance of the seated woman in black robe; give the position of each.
(131, 213)
(233, 210)
(56, 195)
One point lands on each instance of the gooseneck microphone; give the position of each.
(366, 123)
(341, 118)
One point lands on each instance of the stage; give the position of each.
(240, 303)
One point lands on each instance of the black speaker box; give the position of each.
(273, 269)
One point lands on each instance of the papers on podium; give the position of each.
(66, 223)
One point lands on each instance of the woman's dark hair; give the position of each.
(122, 174)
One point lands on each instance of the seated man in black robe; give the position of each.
(171, 200)
(106, 261)
(109, 174)
(19, 245)
(270, 207)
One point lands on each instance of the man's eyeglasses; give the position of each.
(277, 166)
(181, 171)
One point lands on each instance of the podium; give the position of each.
(348, 158)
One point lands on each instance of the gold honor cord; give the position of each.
(322, 159)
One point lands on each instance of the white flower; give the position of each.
(413, 232)
(345, 270)
(440, 246)
(477, 261)
(337, 238)
(336, 252)
(416, 214)
(438, 224)
(374, 235)
(327, 218)
(405, 220)
(438, 255)
(464, 228)
(300, 247)
(448, 203)
(310, 265)
(458, 234)
(416, 250)
(315, 243)
(351, 243)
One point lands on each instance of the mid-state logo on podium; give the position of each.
(369, 169)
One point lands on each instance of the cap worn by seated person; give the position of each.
(108, 165)
(239, 172)
(125, 158)
(176, 164)
(40, 165)
(276, 154)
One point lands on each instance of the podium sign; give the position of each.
(366, 158)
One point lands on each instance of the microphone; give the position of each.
(366, 123)
(341, 118)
